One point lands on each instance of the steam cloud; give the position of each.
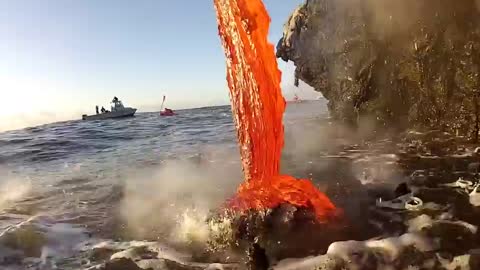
(12, 189)
(174, 201)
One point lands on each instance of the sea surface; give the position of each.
(114, 179)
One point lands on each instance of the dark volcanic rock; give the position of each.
(402, 189)
(285, 232)
(121, 264)
(257, 258)
(397, 63)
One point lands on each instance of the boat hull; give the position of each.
(167, 114)
(128, 112)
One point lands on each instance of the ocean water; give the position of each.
(129, 178)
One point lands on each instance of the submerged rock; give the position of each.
(9, 256)
(396, 63)
(27, 238)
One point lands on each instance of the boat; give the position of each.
(166, 111)
(296, 99)
(118, 111)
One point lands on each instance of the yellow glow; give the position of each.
(24, 95)
(28, 102)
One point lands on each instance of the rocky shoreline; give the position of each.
(411, 202)
(427, 221)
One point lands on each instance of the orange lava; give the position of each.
(258, 106)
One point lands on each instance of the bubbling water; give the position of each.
(258, 106)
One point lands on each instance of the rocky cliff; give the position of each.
(403, 63)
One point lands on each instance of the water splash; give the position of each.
(258, 106)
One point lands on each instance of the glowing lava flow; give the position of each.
(258, 107)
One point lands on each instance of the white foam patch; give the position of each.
(460, 183)
(475, 197)
(392, 246)
(117, 246)
(346, 250)
(123, 249)
(458, 263)
(318, 262)
(62, 241)
(395, 245)
(419, 223)
(192, 227)
(405, 202)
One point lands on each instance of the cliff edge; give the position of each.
(403, 63)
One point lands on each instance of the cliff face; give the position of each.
(404, 63)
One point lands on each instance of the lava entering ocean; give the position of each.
(258, 106)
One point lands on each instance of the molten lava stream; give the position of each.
(258, 106)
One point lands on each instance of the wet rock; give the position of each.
(27, 238)
(474, 261)
(99, 254)
(147, 255)
(454, 237)
(160, 264)
(402, 189)
(176, 265)
(396, 252)
(418, 178)
(323, 262)
(151, 255)
(411, 256)
(404, 202)
(136, 253)
(257, 258)
(396, 64)
(441, 196)
(218, 266)
(461, 262)
(287, 232)
(122, 264)
(154, 264)
(474, 167)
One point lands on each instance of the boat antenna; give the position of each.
(161, 107)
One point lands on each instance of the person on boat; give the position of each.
(167, 110)
(115, 100)
(96, 109)
(296, 98)
(103, 110)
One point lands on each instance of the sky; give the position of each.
(60, 58)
